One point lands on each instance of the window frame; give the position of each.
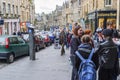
(107, 3)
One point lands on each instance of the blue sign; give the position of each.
(28, 24)
(1, 22)
(30, 31)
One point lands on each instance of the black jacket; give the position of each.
(74, 43)
(112, 55)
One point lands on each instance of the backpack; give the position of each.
(87, 67)
(107, 57)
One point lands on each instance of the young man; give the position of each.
(108, 58)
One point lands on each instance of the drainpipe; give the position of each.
(118, 14)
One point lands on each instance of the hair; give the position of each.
(75, 30)
(85, 39)
(87, 31)
(76, 24)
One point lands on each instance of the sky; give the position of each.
(47, 6)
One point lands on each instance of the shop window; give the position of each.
(101, 23)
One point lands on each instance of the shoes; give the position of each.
(63, 53)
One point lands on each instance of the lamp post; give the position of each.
(118, 14)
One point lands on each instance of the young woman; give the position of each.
(85, 48)
(74, 43)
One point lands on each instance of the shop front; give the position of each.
(100, 18)
(23, 27)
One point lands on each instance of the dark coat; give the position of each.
(62, 37)
(111, 69)
(74, 43)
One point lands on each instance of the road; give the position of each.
(49, 65)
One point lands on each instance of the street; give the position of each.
(49, 65)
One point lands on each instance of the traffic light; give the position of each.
(1, 22)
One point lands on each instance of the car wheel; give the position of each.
(37, 48)
(10, 58)
(44, 46)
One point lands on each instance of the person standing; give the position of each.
(62, 38)
(84, 50)
(108, 58)
(74, 43)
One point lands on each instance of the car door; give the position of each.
(23, 46)
(41, 41)
(14, 46)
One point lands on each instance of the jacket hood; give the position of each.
(85, 47)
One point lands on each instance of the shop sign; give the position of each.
(107, 14)
(91, 16)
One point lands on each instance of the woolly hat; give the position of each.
(107, 32)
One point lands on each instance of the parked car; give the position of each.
(51, 36)
(12, 46)
(46, 39)
(39, 42)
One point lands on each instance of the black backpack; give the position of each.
(107, 57)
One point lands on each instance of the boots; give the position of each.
(62, 50)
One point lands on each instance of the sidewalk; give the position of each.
(49, 65)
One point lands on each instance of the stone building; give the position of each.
(97, 13)
(9, 13)
(15, 14)
(27, 14)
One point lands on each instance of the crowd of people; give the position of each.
(106, 54)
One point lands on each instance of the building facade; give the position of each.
(15, 14)
(97, 13)
(9, 13)
(27, 14)
(89, 13)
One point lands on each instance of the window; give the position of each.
(13, 40)
(93, 4)
(16, 9)
(108, 2)
(20, 40)
(13, 9)
(9, 10)
(96, 4)
(79, 2)
(4, 8)
(27, 15)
